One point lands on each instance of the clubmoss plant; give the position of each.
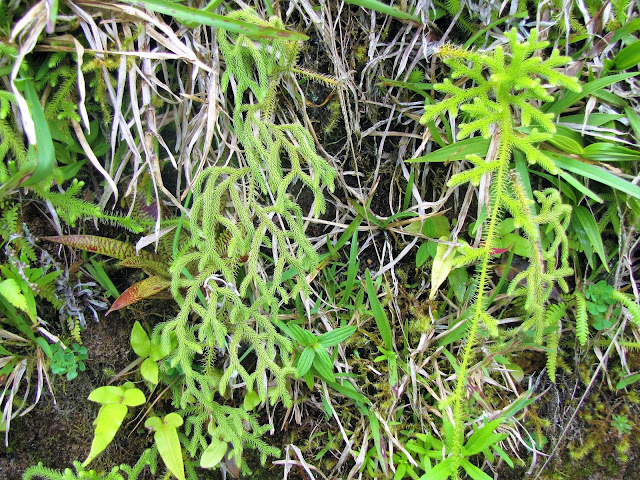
(505, 93)
(246, 233)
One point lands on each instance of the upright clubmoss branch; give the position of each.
(504, 87)
(228, 294)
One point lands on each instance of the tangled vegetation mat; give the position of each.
(319, 239)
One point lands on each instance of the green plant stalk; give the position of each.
(483, 284)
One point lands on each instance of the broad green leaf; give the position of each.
(441, 266)
(193, 17)
(305, 361)
(139, 291)
(133, 397)
(628, 57)
(588, 223)
(168, 443)
(436, 227)
(336, 336)
(385, 9)
(251, 401)
(483, 438)
(107, 423)
(441, 471)
(140, 341)
(300, 335)
(474, 472)
(10, 290)
(44, 345)
(173, 419)
(108, 394)
(423, 254)
(595, 173)
(627, 381)
(323, 365)
(378, 313)
(149, 371)
(459, 281)
(608, 152)
(214, 454)
(566, 140)
(456, 151)
(41, 158)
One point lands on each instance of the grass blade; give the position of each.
(378, 313)
(595, 173)
(572, 97)
(385, 9)
(456, 151)
(192, 16)
(585, 217)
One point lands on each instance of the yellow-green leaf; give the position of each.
(107, 423)
(149, 371)
(168, 443)
(213, 454)
(441, 267)
(10, 290)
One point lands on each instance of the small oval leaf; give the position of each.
(140, 341)
(149, 371)
(213, 454)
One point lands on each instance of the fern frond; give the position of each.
(631, 305)
(582, 325)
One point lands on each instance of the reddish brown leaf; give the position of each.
(103, 245)
(139, 291)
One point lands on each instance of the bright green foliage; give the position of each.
(228, 296)
(115, 402)
(500, 99)
(148, 458)
(582, 326)
(167, 442)
(314, 357)
(149, 352)
(552, 318)
(68, 362)
(622, 424)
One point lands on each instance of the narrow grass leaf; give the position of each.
(588, 222)
(595, 173)
(589, 88)
(634, 121)
(379, 314)
(375, 433)
(628, 57)
(192, 17)
(385, 9)
(456, 151)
